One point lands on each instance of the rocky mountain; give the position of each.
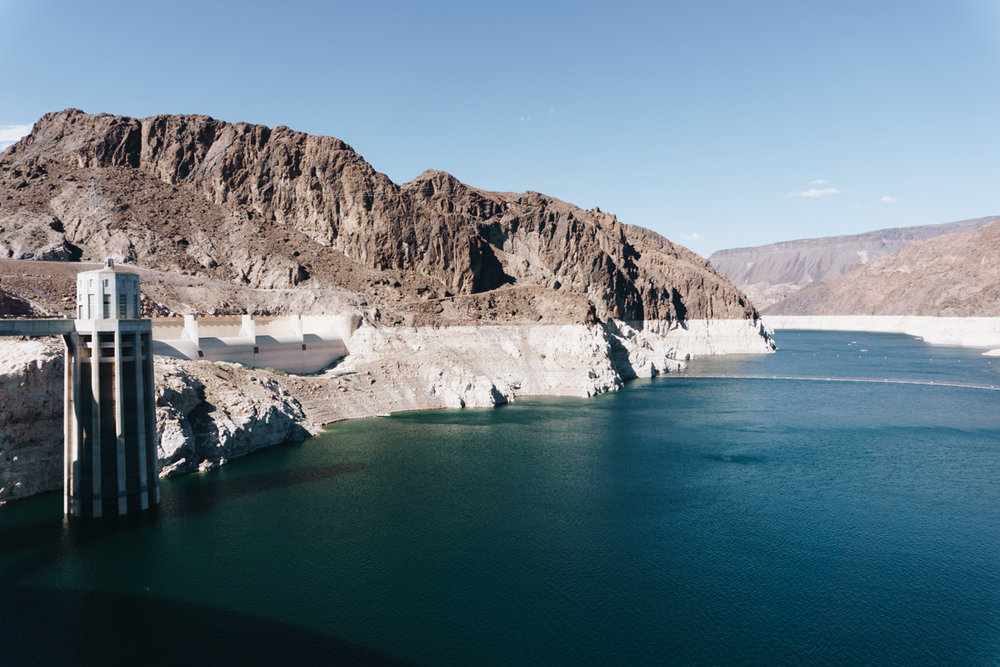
(771, 272)
(257, 208)
(955, 275)
(465, 297)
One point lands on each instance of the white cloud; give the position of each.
(889, 200)
(814, 192)
(820, 181)
(13, 132)
(694, 236)
(10, 134)
(524, 118)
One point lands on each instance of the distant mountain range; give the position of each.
(955, 275)
(770, 273)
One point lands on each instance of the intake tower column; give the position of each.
(110, 439)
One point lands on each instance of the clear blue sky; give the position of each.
(708, 121)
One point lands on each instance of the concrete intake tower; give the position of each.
(110, 418)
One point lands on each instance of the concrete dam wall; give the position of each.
(295, 344)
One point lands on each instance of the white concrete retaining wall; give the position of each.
(963, 331)
(292, 344)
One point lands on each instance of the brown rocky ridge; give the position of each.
(236, 217)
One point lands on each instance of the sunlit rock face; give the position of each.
(271, 208)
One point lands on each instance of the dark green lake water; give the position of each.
(697, 520)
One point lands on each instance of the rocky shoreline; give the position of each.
(209, 413)
(206, 413)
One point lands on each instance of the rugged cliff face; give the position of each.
(692, 288)
(270, 208)
(207, 414)
(769, 273)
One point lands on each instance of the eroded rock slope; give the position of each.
(270, 208)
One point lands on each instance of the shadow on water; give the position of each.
(190, 498)
(54, 535)
(59, 626)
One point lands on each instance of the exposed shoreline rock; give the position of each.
(31, 417)
(210, 413)
(206, 414)
(396, 369)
